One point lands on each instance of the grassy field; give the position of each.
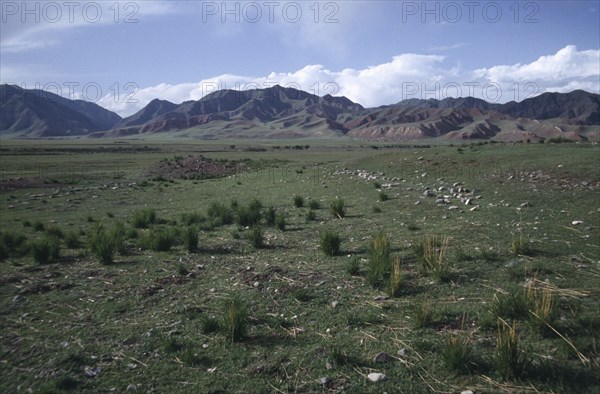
(469, 266)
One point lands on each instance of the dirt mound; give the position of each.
(194, 167)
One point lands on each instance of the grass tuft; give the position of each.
(235, 319)
(330, 242)
(46, 250)
(379, 251)
(143, 218)
(509, 359)
(337, 208)
(298, 201)
(457, 354)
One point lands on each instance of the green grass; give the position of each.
(330, 243)
(158, 319)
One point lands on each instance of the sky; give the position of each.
(123, 54)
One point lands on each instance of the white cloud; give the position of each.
(405, 76)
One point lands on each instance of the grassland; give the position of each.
(517, 308)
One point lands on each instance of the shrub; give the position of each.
(143, 218)
(71, 240)
(298, 201)
(209, 324)
(353, 266)
(235, 319)
(314, 204)
(383, 196)
(280, 222)
(13, 244)
(38, 226)
(379, 259)
(191, 239)
(102, 245)
(311, 216)
(337, 208)
(46, 250)
(457, 353)
(118, 234)
(249, 215)
(396, 277)
(159, 240)
(330, 243)
(53, 231)
(510, 361)
(189, 219)
(256, 237)
(220, 214)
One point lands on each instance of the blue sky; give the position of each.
(122, 54)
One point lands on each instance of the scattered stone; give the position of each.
(328, 365)
(585, 183)
(18, 298)
(377, 377)
(513, 262)
(131, 387)
(468, 201)
(382, 357)
(466, 392)
(324, 380)
(475, 208)
(402, 352)
(334, 304)
(440, 201)
(428, 193)
(417, 203)
(420, 158)
(525, 204)
(91, 372)
(256, 284)
(576, 222)
(452, 207)
(381, 298)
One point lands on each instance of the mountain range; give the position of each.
(279, 112)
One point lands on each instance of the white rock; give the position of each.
(377, 377)
(452, 207)
(466, 392)
(576, 222)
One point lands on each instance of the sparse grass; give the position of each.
(235, 318)
(158, 239)
(457, 354)
(220, 214)
(298, 201)
(270, 215)
(143, 218)
(193, 218)
(432, 252)
(314, 205)
(542, 308)
(46, 249)
(102, 244)
(209, 324)
(509, 359)
(191, 239)
(330, 242)
(311, 216)
(53, 230)
(249, 215)
(38, 226)
(396, 277)
(379, 267)
(423, 314)
(280, 222)
(71, 239)
(337, 208)
(353, 266)
(511, 305)
(520, 246)
(256, 237)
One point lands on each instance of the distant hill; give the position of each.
(279, 112)
(37, 113)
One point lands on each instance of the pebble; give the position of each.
(324, 380)
(377, 377)
(576, 222)
(452, 207)
(131, 387)
(334, 304)
(381, 358)
(466, 392)
(402, 352)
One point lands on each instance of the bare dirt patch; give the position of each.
(194, 167)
